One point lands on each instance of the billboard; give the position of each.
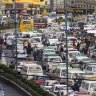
(35, 2)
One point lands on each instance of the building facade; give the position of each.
(84, 4)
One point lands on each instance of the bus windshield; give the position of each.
(26, 22)
(34, 70)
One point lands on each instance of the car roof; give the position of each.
(60, 85)
(89, 81)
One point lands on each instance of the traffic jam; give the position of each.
(44, 57)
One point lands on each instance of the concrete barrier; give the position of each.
(14, 85)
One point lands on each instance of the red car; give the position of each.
(39, 80)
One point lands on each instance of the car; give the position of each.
(48, 84)
(40, 80)
(88, 86)
(60, 88)
(29, 69)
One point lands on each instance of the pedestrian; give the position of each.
(1, 50)
(1, 40)
(35, 53)
(78, 46)
(74, 43)
(25, 44)
(29, 49)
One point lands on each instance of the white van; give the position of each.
(30, 69)
(88, 86)
(49, 59)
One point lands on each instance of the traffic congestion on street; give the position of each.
(40, 51)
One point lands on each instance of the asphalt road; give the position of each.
(9, 91)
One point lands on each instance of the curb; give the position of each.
(14, 85)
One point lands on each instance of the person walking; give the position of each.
(29, 49)
(1, 50)
(1, 46)
(78, 46)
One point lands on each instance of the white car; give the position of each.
(60, 88)
(48, 84)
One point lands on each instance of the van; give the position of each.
(90, 68)
(50, 58)
(61, 74)
(88, 86)
(29, 69)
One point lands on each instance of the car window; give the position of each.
(89, 68)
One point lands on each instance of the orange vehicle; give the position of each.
(26, 25)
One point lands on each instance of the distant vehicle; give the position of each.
(88, 86)
(26, 25)
(48, 84)
(40, 80)
(60, 88)
(40, 22)
(29, 69)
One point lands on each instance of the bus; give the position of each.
(26, 25)
(40, 22)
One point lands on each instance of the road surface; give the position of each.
(9, 91)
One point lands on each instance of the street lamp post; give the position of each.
(15, 17)
(66, 32)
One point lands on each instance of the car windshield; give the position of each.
(94, 69)
(37, 39)
(34, 69)
(26, 22)
(93, 86)
(62, 88)
(55, 60)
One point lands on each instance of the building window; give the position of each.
(72, 2)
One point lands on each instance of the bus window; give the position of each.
(26, 22)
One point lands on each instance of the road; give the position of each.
(9, 91)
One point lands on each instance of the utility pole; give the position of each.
(66, 33)
(15, 17)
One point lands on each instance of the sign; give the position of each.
(62, 11)
(35, 2)
(10, 6)
(13, 11)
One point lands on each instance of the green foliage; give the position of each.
(28, 85)
(7, 26)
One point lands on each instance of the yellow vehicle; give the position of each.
(26, 25)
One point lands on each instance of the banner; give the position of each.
(35, 2)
